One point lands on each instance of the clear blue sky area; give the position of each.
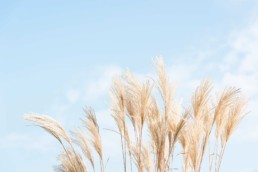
(58, 56)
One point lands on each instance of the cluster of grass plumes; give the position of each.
(151, 124)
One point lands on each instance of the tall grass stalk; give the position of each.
(158, 123)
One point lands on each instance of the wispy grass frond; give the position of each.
(81, 140)
(159, 123)
(69, 160)
(92, 125)
(50, 125)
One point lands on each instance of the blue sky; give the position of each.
(58, 56)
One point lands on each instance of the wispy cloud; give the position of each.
(99, 85)
(73, 95)
(233, 62)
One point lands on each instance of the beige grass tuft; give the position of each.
(150, 126)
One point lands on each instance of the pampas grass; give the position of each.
(158, 124)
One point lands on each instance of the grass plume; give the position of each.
(159, 123)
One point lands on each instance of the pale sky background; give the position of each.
(58, 56)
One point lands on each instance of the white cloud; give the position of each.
(100, 84)
(247, 82)
(243, 44)
(237, 65)
(73, 96)
(240, 70)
